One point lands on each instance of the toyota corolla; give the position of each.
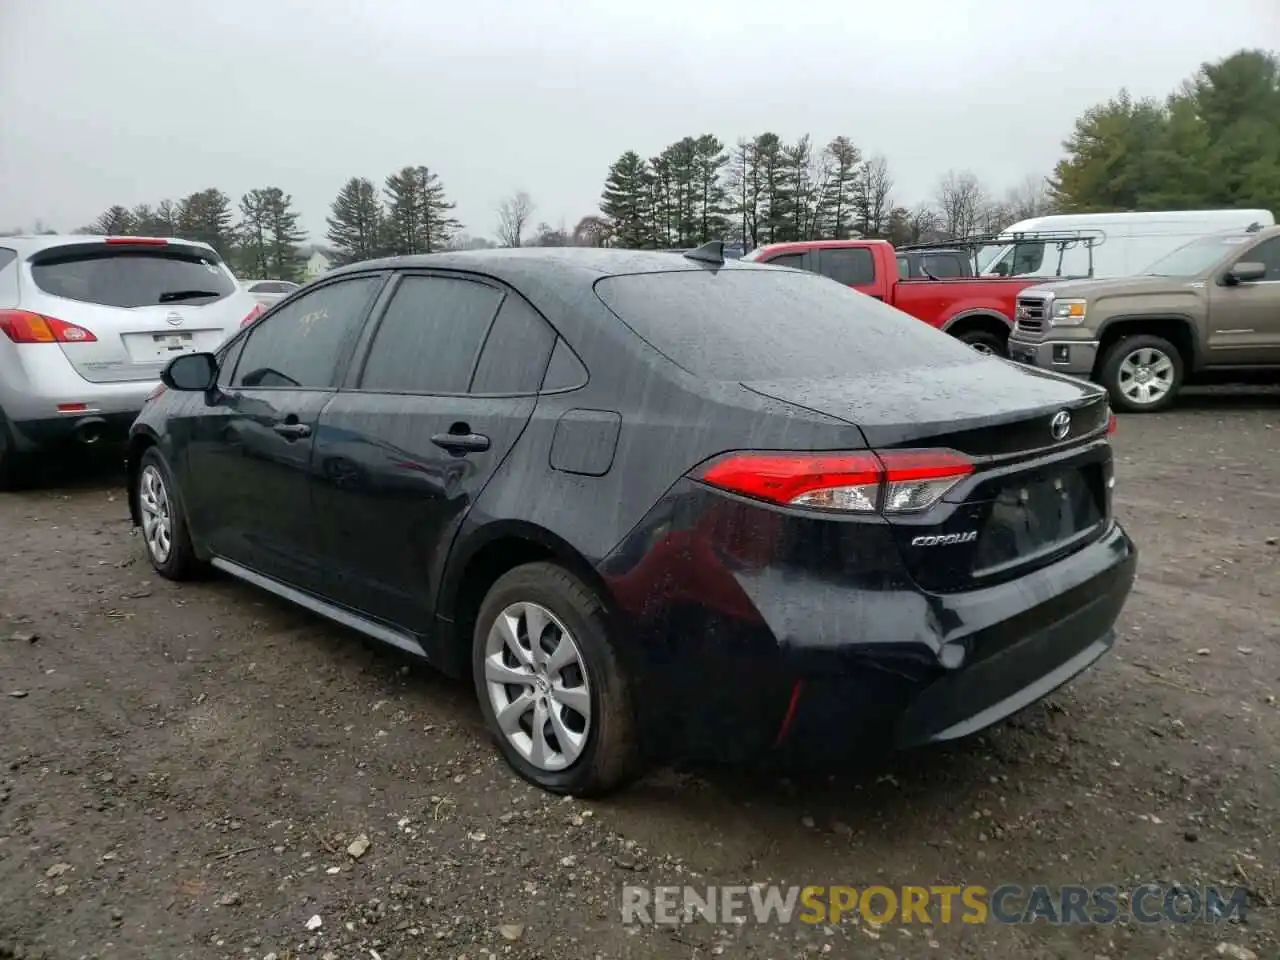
(649, 502)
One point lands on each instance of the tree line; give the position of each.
(1214, 142)
(261, 237)
(767, 190)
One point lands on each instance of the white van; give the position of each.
(1123, 244)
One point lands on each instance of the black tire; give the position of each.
(14, 466)
(180, 562)
(1109, 373)
(985, 342)
(611, 755)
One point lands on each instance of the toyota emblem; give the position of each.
(1060, 425)
(174, 319)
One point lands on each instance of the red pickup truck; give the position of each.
(977, 310)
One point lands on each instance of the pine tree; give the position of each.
(116, 221)
(845, 160)
(710, 160)
(206, 217)
(284, 235)
(625, 202)
(771, 182)
(357, 222)
(252, 258)
(418, 220)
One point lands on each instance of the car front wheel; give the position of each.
(553, 692)
(1143, 374)
(164, 527)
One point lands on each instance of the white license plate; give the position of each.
(159, 347)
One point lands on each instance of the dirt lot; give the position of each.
(184, 768)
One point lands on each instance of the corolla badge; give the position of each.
(1060, 425)
(174, 319)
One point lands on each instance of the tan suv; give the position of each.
(1209, 309)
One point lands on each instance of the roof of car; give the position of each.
(512, 264)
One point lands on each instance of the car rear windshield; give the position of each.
(132, 278)
(761, 324)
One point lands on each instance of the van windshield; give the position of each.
(1195, 257)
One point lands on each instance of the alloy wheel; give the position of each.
(157, 518)
(1146, 376)
(537, 685)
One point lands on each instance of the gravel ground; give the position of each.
(201, 771)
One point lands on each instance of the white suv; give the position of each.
(86, 325)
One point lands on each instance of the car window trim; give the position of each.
(345, 352)
(355, 370)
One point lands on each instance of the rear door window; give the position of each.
(794, 260)
(132, 278)
(753, 324)
(516, 352)
(852, 267)
(301, 344)
(430, 336)
(944, 265)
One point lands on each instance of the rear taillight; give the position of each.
(1111, 423)
(137, 241)
(890, 481)
(253, 315)
(22, 326)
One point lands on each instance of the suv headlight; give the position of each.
(1067, 313)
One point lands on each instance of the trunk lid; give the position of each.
(1036, 493)
(144, 302)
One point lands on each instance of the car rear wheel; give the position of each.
(164, 528)
(1143, 374)
(553, 692)
(13, 465)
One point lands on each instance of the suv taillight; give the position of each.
(253, 315)
(1111, 423)
(22, 326)
(888, 481)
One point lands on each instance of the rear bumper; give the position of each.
(833, 649)
(1076, 357)
(45, 400)
(33, 435)
(1002, 655)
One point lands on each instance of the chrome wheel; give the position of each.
(1146, 376)
(537, 684)
(983, 348)
(157, 519)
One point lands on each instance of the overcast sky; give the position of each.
(133, 101)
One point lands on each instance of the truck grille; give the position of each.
(1029, 316)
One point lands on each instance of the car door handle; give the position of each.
(292, 431)
(461, 442)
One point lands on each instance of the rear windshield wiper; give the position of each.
(173, 296)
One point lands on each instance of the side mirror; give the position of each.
(1246, 272)
(192, 372)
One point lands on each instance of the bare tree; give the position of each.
(923, 224)
(960, 200)
(591, 231)
(871, 196)
(1031, 198)
(514, 214)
